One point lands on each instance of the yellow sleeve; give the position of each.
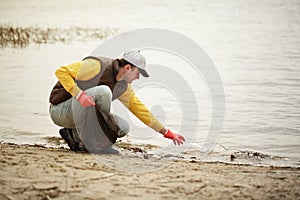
(66, 76)
(131, 101)
(83, 70)
(89, 69)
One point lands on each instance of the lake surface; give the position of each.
(255, 47)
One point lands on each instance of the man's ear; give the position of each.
(127, 67)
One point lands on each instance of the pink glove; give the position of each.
(85, 100)
(177, 139)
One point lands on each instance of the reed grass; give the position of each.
(15, 37)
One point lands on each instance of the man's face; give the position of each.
(132, 73)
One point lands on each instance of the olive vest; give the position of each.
(106, 76)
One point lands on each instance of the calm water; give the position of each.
(254, 45)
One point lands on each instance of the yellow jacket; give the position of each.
(89, 68)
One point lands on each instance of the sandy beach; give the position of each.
(35, 172)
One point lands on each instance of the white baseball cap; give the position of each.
(135, 58)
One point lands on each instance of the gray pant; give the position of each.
(70, 114)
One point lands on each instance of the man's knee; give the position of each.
(104, 90)
(99, 92)
(102, 96)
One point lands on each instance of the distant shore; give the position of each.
(34, 172)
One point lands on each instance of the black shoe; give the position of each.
(82, 147)
(67, 135)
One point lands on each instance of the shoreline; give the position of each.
(221, 155)
(36, 172)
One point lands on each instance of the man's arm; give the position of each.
(83, 70)
(131, 101)
(66, 75)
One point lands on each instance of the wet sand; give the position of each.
(34, 172)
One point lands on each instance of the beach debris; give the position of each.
(249, 155)
(142, 149)
(232, 157)
(146, 156)
(246, 154)
(56, 141)
(39, 145)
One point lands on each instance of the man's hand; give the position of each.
(177, 138)
(85, 100)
